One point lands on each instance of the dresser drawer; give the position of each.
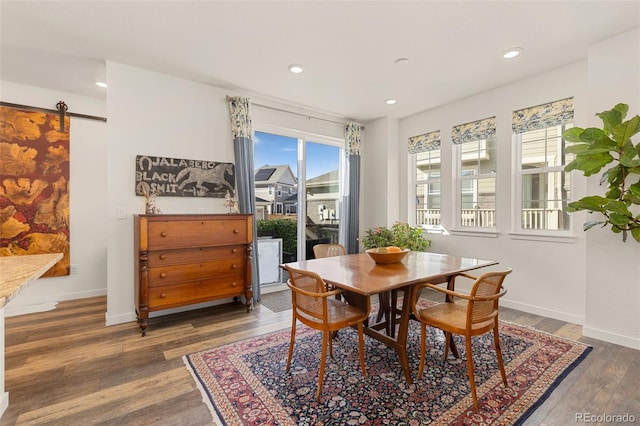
(202, 254)
(189, 233)
(194, 292)
(195, 271)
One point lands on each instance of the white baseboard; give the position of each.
(607, 336)
(562, 316)
(4, 402)
(119, 319)
(12, 311)
(131, 316)
(44, 305)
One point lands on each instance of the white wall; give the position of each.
(161, 115)
(548, 277)
(613, 267)
(88, 201)
(592, 279)
(158, 115)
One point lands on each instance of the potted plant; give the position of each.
(400, 235)
(594, 149)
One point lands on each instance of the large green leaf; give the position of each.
(592, 134)
(635, 233)
(630, 156)
(593, 203)
(611, 119)
(635, 189)
(624, 131)
(619, 219)
(604, 144)
(617, 207)
(592, 163)
(573, 134)
(577, 148)
(614, 176)
(573, 165)
(614, 193)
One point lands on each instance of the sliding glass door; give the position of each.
(298, 190)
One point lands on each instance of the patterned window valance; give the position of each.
(240, 111)
(352, 136)
(473, 131)
(541, 116)
(423, 143)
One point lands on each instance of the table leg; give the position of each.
(449, 299)
(376, 330)
(403, 332)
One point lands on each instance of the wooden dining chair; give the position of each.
(334, 249)
(472, 314)
(328, 250)
(314, 305)
(387, 300)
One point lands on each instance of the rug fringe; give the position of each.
(203, 392)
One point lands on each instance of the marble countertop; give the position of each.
(18, 271)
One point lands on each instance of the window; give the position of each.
(544, 186)
(477, 165)
(426, 150)
(299, 188)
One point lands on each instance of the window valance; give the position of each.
(473, 131)
(542, 116)
(425, 142)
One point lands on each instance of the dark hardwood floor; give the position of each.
(65, 367)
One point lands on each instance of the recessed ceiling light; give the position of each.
(101, 84)
(402, 61)
(390, 101)
(295, 68)
(512, 53)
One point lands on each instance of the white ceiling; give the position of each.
(348, 48)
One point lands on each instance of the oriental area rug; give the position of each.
(246, 383)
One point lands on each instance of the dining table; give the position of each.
(359, 276)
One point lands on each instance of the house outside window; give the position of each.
(426, 151)
(477, 167)
(279, 209)
(545, 188)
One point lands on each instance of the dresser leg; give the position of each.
(249, 304)
(142, 321)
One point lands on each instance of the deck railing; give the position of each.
(486, 218)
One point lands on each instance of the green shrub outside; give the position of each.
(280, 228)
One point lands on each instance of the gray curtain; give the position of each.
(242, 134)
(352, 136)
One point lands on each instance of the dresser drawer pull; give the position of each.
(163, 256)
(233, 284)
(163, 234)
(236, 231)
(234, 250)
(163, 295)
(163, 275)
(234, 266)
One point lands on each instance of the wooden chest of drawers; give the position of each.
(186, 259)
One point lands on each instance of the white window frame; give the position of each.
(518, 232)
(414, 160)
(457, 184)
(303, 137)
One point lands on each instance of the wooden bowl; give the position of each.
(386, 258)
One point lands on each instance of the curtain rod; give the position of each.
(53, 111)
(302, 115)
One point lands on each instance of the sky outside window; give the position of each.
(274, 150)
